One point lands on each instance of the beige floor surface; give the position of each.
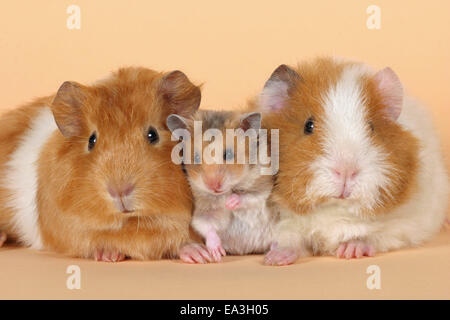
(419, 273)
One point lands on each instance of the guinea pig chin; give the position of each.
(124, 204)
(346, 184)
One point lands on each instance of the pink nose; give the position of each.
(214, 185)
(120, 191)
(346, 176)
(346, 173)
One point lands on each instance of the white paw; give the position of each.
(195, 253)
(355, 249)
(108, 256)
(281, 256)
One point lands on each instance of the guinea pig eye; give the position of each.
(92, 141)
(152, 135)
(228, 154)
(309, 126)
(372, 128)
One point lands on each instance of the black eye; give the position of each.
(197, 158)
(228, 154)
(372, 128)
(309, 126)
(152, 135)
(92, 141)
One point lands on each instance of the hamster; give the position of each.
(87, 172)
(361, 169)
(232, 211)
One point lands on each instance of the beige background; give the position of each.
(231, 46)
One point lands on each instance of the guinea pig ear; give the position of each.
(66, 108)
(175, 122)
(391, 91)
(251, 121)
(276, 90)
(179, 94)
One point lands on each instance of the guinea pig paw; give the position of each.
(281, 256)
(108, 256)
(195, 253)
(2, 238)
(233, 201)
(355, 249)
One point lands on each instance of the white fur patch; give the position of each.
(22, 180)
(347, 142)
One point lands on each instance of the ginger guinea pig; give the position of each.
(88, 172)
(361, 169)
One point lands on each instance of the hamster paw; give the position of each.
(108, 256)
(281, 256)
(355, 249)
(217, 252)
(233, 201)
(2, 238)
(195, 253)
(214, 245)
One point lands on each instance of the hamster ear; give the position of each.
(175, 122)
(181, 96)
(391, 90)
(276, 90)
(66, 108)
(251, 121)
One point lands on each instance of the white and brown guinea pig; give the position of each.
(231, 207)
(87, 172)
(361, 169)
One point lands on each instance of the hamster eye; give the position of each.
(197, 159)
(372, 128)
(228, 154)
(92, 141)
(152, 135)
(309, 126)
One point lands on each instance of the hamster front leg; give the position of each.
(195, 253)
(207, 225)
(233, 201)
(244, 200)
(214, 244)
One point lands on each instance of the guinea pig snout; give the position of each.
(122, 196)
(345, 175)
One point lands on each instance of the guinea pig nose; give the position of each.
(353, 173)
(346, 173)
(122, 191)
(337, 172)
